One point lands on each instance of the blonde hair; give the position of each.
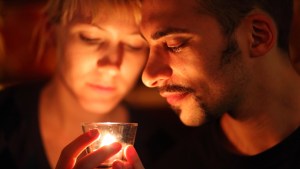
(65, 11)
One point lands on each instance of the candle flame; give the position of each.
(108, 139)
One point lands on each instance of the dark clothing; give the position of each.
(206, 149)
(20, 138)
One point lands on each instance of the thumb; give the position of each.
(133, 158)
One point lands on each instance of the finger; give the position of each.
(92, 160)
(117, 164)
(133, 158)
(70, 153)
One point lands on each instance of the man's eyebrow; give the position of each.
(164, 32)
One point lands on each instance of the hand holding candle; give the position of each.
(109, 133)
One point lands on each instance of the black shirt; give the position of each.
(205, 149)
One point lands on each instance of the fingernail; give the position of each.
(115, 146)
(130, 151)
(93, 133)
(117, 165)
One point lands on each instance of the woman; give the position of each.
(100, 55)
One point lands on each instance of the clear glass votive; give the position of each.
(111, 132)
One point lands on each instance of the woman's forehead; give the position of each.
(100, 9)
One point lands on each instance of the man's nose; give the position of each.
(157, 69)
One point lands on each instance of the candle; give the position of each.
(108, 139)
(123, 133)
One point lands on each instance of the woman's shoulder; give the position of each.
(16, 97)
(19, 133)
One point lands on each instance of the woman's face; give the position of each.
(100, 62)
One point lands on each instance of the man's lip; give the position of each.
(173, 98)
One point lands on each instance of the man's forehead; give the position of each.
(159, 16)
(162, 10)
(153, 10)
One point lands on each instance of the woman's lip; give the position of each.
(101, 88)
(174, 98)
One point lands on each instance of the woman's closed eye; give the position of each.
(135, 45)
(89, 39)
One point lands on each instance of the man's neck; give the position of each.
(252, 137)
(270, 111)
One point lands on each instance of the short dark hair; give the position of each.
(229, 13)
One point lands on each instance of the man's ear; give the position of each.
(295, 56)
(263, 35)
(295, 37)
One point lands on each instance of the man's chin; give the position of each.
(192, 122)
(191, 114)
(190, 117)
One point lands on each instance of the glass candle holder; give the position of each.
(110, 132)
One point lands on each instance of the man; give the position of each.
(295, 36)
(224, 65)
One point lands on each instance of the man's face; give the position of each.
(188, 62)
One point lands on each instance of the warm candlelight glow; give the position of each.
(108, 139)
(123, 133)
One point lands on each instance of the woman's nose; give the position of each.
(111, 58)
